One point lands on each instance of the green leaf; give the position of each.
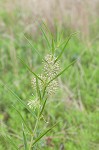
(44, 133)
(38, 89)
(44, 91)
(30, 70)
(25, 140)
(62, 71)
(32, 46)
(11, 141)
(53, 48)
(65, 46)
(43, 107)
(47, 29)
(45, 36)
(59, 35)
(18, 99)
(23, 120)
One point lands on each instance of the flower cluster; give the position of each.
(34, 104)
(50, 67)
(50, 70)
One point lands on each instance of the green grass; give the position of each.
(76, 102)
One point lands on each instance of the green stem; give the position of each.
(34, 130)
(38, 117)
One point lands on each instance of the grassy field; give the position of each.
(75, 104)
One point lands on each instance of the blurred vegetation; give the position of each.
(76, 102)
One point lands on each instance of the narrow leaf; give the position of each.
(11, 141)
(47, 29)
(53, 48)
(65, 46)
(38, 89)
(44, 92)
(43, 107)
(62, 71)
(30, 69)
(23, 120)
(32, 46)
(24, 140)
(18, 99)
(44, 133)
(45, 36)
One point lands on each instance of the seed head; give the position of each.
(50, 70)
(34, 104)
(50, 67)
(52, 87)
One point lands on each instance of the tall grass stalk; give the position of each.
(44, 85)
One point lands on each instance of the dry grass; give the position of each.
(75, 14)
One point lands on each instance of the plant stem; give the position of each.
(34, 130)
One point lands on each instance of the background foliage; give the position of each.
(76, 102)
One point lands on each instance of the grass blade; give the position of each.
(30, 69)
(38, 89)
(32, 46)
(47, 29)
(11, 141)
(18, 99)
(43, 134)
(45, 36)
(65, 46)
(62, 71)
(53, 48)
(23, 120)
(24, 140)
(43, 107)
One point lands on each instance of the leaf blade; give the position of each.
(30, 69)
(11, 141)
(43, 134)
(24, 140)
(65, 46)
(18, 98)
(43, 107)
(32, 45)
(23, 120)
(45, 36)
(38, 89)
(62, 71)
